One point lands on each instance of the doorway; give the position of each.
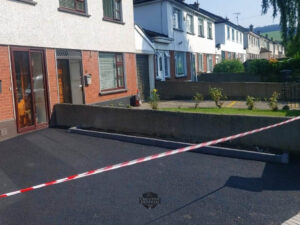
(143, 76)
(70, 79)
(193, 67)
(30, 88)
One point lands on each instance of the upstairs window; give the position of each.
(241, 37)
(228, 33)
(112, 10)
(177, 19)
(233, 35)
(73, 5)
(200, 27)
(209, 30)
(190, 24)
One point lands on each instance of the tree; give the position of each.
(289, 20)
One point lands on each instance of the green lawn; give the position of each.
(232, 111)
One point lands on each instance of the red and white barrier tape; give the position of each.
(145, 159)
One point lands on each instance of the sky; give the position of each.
(250, 11)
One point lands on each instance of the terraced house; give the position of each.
(183, 36)
(62, 51)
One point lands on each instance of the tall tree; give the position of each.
(289, 17)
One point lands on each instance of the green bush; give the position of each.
(250, 102)
(198, 98)
(217, 95)
(273, 101)
(229, 66)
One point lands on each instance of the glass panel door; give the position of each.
(23, 90)
(38, 85)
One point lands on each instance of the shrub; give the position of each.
(250, 101)
(229, 66)
(273, 101)
(154, 99)
(217, 95)
(198, 98)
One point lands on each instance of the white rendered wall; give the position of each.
(43, 25)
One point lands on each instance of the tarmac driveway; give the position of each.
(194, 188)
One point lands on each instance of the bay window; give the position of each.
(111, 71)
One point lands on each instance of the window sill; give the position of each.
(73, 12)
(210, 38)
(201, 36)
(190, 33)
(176, 29)
(113, 21)
(112, 92)
(30, 2)
(180, 76)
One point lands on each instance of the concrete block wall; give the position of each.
(233, 90)
(187, 127)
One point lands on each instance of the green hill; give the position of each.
(275, 34)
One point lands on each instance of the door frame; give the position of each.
(46, 92)
(81, 69)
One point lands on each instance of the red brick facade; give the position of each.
(90, 63)
(6, 96)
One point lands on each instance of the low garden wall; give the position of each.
(185, 127)
(228, 77)
(233, 90)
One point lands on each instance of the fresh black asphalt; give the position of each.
(194, 189)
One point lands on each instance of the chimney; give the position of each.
(195, 5)
(251, 27)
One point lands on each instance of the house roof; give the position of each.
(151, 34)
(216, 18)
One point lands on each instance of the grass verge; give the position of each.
(233, 111)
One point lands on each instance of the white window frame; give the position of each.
(210, 31)
(184, 65)
(163, 60)
(190, 27)
(178, 25)
(233, 34)
(208, 56)
(202, 28)
(228, 33)
(200, 69)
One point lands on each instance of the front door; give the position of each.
(30, 88)
(143, 76)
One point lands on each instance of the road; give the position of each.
(193, 188)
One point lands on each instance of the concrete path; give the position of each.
(208, 104)
(293, 221)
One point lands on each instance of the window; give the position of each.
(111, 71)
(167, 64)
(209, 63)
(241, 38)
(223, 55)
(228, 33)
(177, 19)
(112, 10)
(209, 30)
(200, 62)
(180, 64)
(200, 27)
(190, 24)
(74, 5)
(237, 36)
(233, 34)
